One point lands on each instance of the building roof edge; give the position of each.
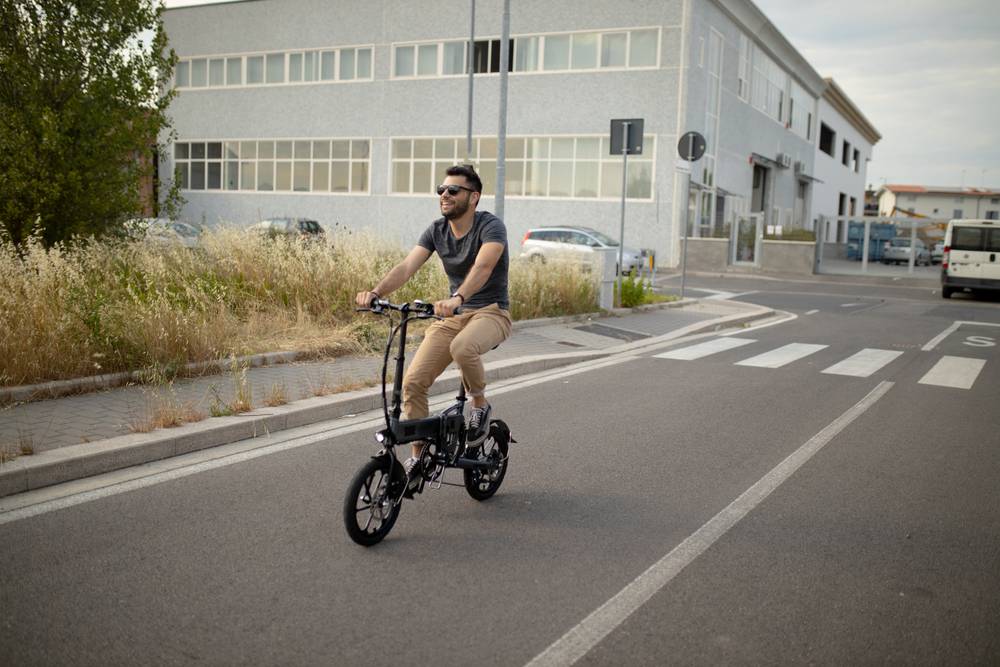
(839, 100)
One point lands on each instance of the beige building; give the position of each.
(939, 202)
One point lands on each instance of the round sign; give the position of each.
(691, 146)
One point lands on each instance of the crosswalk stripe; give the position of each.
(954, 372)
(785, 354)
(704, 349)
(864, 363)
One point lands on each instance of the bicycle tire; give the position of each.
(482, 484)
(372, 505)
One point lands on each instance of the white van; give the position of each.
(971, 256)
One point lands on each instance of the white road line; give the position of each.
(954, 372)
(864, 363)
(952, 329)
(784, 317)
(704, 349)
(589, 632)
(729, 295)
(941, 336)
(813, 311)
(785, 354)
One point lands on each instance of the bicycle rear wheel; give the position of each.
(372, 502)
(482, 483)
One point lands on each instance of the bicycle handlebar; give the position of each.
(421, 309)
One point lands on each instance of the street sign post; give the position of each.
(690, 148)
(626, 137)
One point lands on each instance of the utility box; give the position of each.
(606, 265)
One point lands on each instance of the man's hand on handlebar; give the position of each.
(447, 307)
(366, 299)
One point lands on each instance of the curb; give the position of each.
(78, 461)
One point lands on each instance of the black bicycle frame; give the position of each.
(436, 428)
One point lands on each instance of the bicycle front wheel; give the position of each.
(371, 505)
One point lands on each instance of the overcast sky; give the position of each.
(926, 73)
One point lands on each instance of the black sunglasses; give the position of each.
(452, 189)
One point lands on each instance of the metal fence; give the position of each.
(883, 246)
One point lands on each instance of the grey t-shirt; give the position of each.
(458, 256)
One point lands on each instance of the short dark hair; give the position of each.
(470, 176)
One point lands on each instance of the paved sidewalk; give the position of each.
(87, 434)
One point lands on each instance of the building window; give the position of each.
(800, 105)
(957, 213)
(845, 157)
(992, 215)
(827, 139)
(296, 67)
(768, 85)
(571, 167)
(743, 74)
(854, 206)
(856, 160)
(274, 165)
(578, 52)
(842, 204)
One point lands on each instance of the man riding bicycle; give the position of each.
(472, 246)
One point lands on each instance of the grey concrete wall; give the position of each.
(707, 254)
(795, 257)
(790, 257)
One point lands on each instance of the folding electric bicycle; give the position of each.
(377, 490)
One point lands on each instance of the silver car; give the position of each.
(541, 244)
(897, 251)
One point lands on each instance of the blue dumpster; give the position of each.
(880, 232)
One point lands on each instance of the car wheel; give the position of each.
(946, 292)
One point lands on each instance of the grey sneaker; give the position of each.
(479, 426)
(411, 467)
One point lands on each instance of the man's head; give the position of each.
(460, 191)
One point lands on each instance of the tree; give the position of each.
(84, 87)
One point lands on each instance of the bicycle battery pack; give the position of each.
(411, 430)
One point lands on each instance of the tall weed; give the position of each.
(89, 307)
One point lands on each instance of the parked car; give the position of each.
(289, 227)
(897, 251)
(165, 231)
(542, 244)
(937, 252)
(971, 257)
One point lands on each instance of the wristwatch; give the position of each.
(459, 295)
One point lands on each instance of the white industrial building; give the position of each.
(927, 201)
(349, 113)
(843, 150)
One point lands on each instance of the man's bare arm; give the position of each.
(396, 277)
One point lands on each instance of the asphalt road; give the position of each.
(657, 510)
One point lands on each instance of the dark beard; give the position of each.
(458, 210)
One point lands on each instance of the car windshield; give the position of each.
(901, 243)
(603, 238)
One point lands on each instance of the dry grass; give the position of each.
(24, 447)
(276, 396)
(167, 413)
(103, 307)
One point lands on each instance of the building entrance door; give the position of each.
(746, 238)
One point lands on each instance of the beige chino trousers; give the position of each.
(463, 339)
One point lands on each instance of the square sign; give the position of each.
(633, 146)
